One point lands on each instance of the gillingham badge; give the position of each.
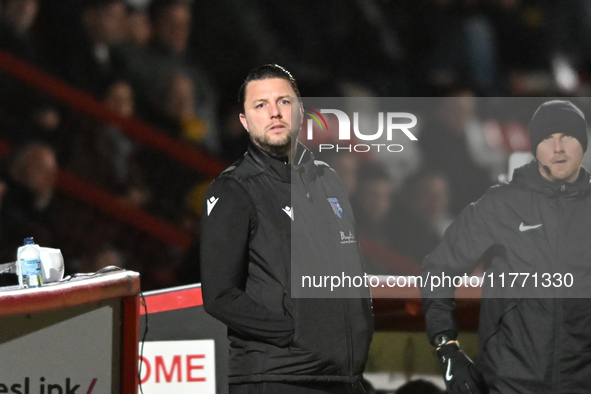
(336, 207)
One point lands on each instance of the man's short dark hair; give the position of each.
(265, 72)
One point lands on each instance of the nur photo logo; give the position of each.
(375, 130)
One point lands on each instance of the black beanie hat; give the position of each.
(557, 117)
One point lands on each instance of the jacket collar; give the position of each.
(277, 166)
(529, 176)
(303, 163)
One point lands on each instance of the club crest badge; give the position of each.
(336, 207)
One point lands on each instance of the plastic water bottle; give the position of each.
(29, 262)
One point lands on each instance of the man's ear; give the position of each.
(243, 121)
(301, 113)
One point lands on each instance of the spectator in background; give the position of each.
(138, 30)
(102, 256)
(447, 41)
(372, 205)
(90, 62)
(233, 139)
(119, 151)
(346, 164)
(419, 215)
(373, 202)
(178, 110)
(39, 115)
(29, 207)
(172, 181)
(445, 148)
(172, 25)
(112, 144)
(17, 19)
(119, 97)
(483, 141)
(170, 57)
(105, 155)
(35, 169)
(132, 55)
(531, 35)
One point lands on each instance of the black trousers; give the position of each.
(297, 388)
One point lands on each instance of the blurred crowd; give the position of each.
(177, 65)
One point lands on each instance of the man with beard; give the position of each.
(268, 218)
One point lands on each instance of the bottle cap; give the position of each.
(29, 241)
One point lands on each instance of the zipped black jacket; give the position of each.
(260, 215)
(528, 344)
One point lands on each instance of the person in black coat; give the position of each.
(534, 332)
(269, 221)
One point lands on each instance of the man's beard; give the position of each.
(276, 148)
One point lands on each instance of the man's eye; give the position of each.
(284, 101)
(259, 106)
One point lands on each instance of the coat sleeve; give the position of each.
(464, 243)
(228, 222)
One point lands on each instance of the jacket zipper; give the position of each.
(308, 195)
(557, 301)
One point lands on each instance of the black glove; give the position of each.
(459, 372)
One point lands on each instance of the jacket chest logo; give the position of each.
(211, 203)
(523, 227)
(348, 238)
(336, 207)
(289, 211)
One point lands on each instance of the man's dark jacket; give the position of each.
(259, 216)
(533, 339)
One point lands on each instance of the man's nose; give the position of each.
(275, 111)
(558, 145)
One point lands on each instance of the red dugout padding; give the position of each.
(176, 316)
(68, 321)
(172, 299)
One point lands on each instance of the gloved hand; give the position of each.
(459, 372)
